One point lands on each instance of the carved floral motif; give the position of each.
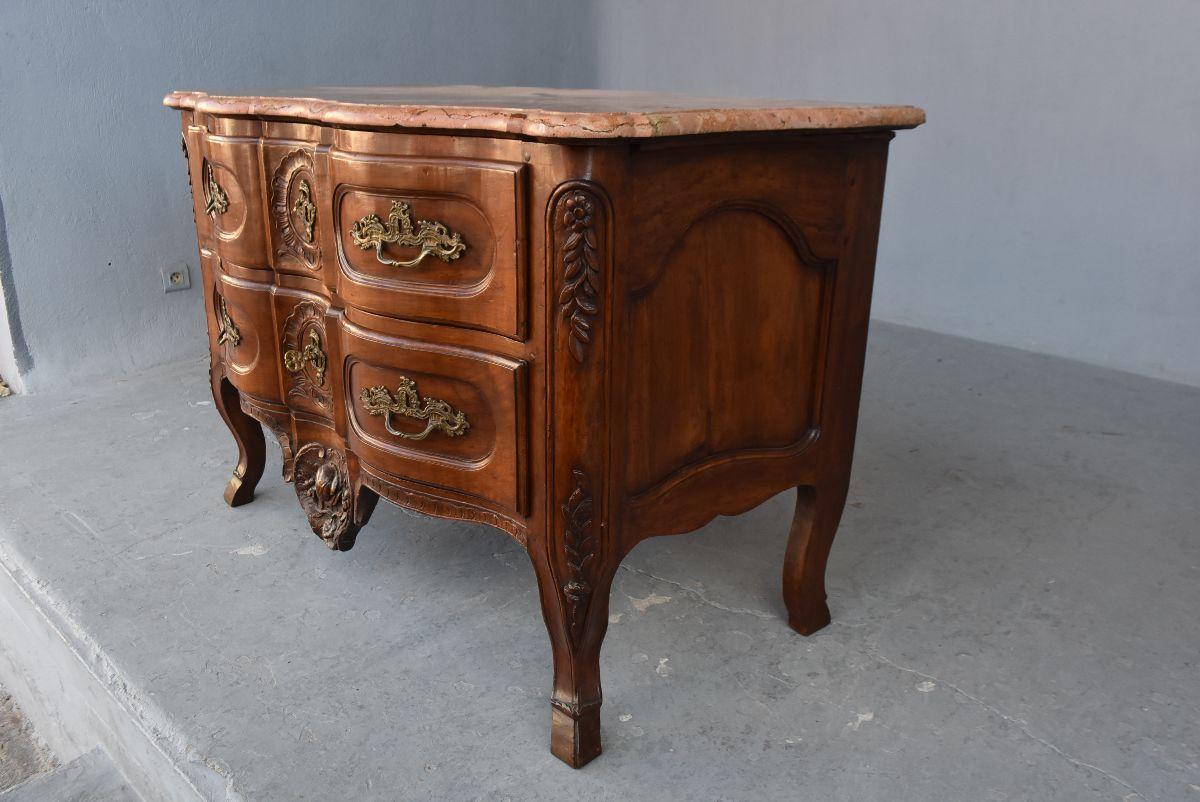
(323, 487)
(579, 298)
(579, 546)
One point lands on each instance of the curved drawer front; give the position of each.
(438, 241)
(241, 320)
(448, 417)
(230, 195)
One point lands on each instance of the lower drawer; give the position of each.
(240, 324)
(447, 417)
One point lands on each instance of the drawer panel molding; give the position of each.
(306, 357)
(432, 240)
(448, 418)
(294, 209)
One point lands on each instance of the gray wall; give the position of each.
(1052, 202)
(92, 182)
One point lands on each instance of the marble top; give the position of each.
(545, 113)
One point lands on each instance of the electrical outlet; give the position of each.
(176, 277)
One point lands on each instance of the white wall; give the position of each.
(93, 186)
(1052, 201)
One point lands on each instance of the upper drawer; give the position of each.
(439, 240)
(229, 194)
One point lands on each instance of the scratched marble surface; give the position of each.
(545, 112)
(1014, 592)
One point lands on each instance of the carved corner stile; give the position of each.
(578, 220)
(579, 552)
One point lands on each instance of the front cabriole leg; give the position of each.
(575, 572)
(246, 431)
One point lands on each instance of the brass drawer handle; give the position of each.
(217, 200)
(432, 237)
(227, 330)
(440, 415)
(312, 354)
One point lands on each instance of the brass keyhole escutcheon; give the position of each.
(295, 361)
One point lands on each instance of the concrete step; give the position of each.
(91, 777)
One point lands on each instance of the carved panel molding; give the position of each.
(293, 208)
(305, 358)
(444, 507)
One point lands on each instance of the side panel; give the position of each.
(735, 312)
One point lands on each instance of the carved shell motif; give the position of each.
(294, 209)
(305, 358)
(323, 487)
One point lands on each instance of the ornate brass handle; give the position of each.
(432, 237)
(218, 201)
(440, 415)
(305, 209)
(227, 330)
(312, 354)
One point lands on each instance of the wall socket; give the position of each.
(176, 277)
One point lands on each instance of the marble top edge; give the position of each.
(549, 113)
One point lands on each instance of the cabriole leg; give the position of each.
(818, 511)
(252, 447)
(575, 608)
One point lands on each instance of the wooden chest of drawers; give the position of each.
(584, 318)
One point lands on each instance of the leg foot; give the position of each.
(252, 446)
(574, 733)
(818, 511)
(575, 607)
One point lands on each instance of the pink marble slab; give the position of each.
(546, 113)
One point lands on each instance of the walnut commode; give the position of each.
(584, 318)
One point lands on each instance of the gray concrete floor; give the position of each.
(1014, 589)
